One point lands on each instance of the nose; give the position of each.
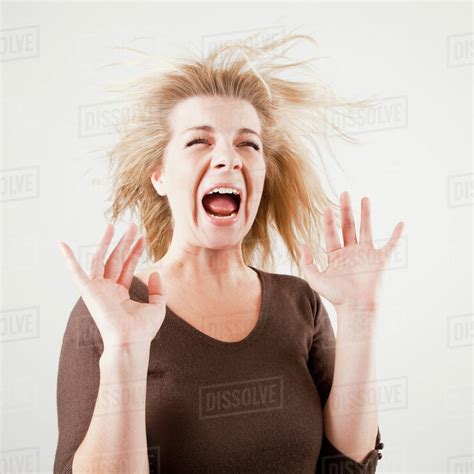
(226, 158)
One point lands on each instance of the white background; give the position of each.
(414, 162)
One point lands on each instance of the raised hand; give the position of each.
(120, 320)
(353, 276)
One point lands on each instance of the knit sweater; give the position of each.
(251, 406)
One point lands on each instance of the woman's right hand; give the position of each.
(120, 320)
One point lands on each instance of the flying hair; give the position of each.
(297, 121)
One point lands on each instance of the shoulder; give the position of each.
(293, 287)
(138, 288)
(81, 329)
(286, 282)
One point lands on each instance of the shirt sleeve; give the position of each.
(77, 384)
(321, 365)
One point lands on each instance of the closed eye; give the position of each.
(196, 140)
(252, 144)
(203, 140)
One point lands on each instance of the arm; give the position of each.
(335, 456)
(117, 433)
(100, 402)
(350, 414)
(351, 282)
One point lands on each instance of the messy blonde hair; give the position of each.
(295, 122)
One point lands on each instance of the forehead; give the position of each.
(222, 113)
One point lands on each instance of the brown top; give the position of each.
(254, 405)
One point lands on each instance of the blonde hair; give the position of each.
(295, 123)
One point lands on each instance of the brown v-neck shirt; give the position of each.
(251, 406)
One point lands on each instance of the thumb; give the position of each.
(306, 258)
(315, 278)
(156, 292)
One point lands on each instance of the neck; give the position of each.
(213, 266)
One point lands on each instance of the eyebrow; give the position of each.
(208, 128)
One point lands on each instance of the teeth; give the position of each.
(223, 217)
(224, 191)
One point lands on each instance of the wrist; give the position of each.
(356, 324)
(123, 362)
(128, 349)
(363, 307)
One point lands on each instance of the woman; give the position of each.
(203, 362)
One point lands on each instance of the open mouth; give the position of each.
(222, 203)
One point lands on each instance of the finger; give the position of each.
(156, 291)
(330, 231)
(79, 276)
(97, 261)
(306, 257)
(113, 267)
(126, 277)
(348, 227)
(365, 236)
(389, 247)
(315, 278)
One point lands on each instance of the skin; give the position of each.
(211, 255)
(199, 250)
(352, 279)
(352, 283)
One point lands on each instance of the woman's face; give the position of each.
(224, 154)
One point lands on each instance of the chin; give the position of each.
(216, 243)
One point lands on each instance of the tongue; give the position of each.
(219, 204)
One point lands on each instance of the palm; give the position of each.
(123, 319)
(352, 278)
(120, 319)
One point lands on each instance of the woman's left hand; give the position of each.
(351, 281)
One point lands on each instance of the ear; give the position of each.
(158, 182)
